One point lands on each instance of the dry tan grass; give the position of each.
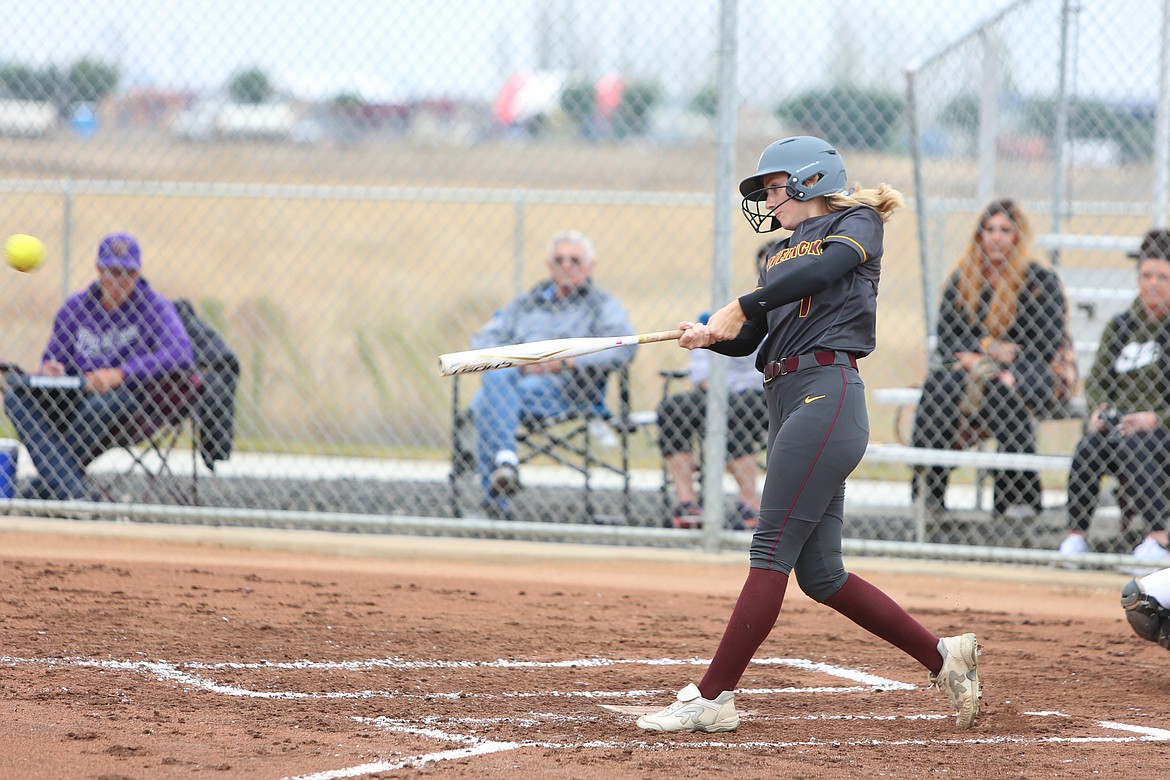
(339, 307)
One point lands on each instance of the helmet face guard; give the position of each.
(814, 169)
(756, 212)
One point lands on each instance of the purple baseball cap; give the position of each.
(119, 250)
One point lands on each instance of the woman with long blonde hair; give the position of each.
(813, 319)
(1001, 322)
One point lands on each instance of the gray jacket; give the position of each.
(539, 314)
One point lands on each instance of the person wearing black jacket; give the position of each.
(1001, 322)
(1128, 432)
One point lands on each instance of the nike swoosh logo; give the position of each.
(808, 399)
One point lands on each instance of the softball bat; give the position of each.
(491, 358)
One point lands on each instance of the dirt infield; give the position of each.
(145, 651)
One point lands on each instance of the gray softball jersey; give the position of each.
(842, 315)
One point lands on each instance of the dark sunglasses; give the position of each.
(117, 271)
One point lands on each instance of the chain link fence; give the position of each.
(1040, 105)
(345, 193)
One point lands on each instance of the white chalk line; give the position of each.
(1148, 733)
(484, 747)
(475, 746)
(175, 672)
(167, 671)
(1151, 734)
(580, 663)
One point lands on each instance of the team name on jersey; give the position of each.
(106, 344)
(801, 249)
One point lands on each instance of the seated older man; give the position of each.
(565, 305)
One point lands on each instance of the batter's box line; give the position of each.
(174, 672)
(856, 675)
(1143, 733)
(873, 681)
(476, 746)
(163, 670)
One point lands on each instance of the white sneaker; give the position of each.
(1074, 544)
(959, 676)
(505, 480)
(694, 713)
(600, 432)
(1150, 550)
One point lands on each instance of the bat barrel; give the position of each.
(491, 358)
(469, 362)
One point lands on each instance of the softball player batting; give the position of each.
(815, 312)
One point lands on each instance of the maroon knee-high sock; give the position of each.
(752, 619)
(880, 615)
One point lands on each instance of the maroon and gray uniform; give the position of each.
(816, 313)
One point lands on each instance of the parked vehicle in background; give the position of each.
(215, 120)
(28, 118)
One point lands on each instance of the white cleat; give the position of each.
(694, 713)
(959, 676)
(505, 480)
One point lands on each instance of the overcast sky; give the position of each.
(387, 49)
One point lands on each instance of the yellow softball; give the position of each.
(24, 253)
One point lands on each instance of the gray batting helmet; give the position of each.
(802, 157)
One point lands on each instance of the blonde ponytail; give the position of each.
(885, 200)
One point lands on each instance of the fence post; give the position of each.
(1161, 193)
(715, 436)
(988, 116)
(66, 235)
(518, 245)
(919, 198)
(1060, 132)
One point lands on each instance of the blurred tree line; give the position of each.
(630, 117)
(85, 81)
(250, 87)
(852, 116)
(875, 119)
(1129, 126)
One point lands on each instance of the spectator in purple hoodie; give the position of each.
(124, 339)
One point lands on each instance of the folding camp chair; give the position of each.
(568, 440)
(154, 440)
